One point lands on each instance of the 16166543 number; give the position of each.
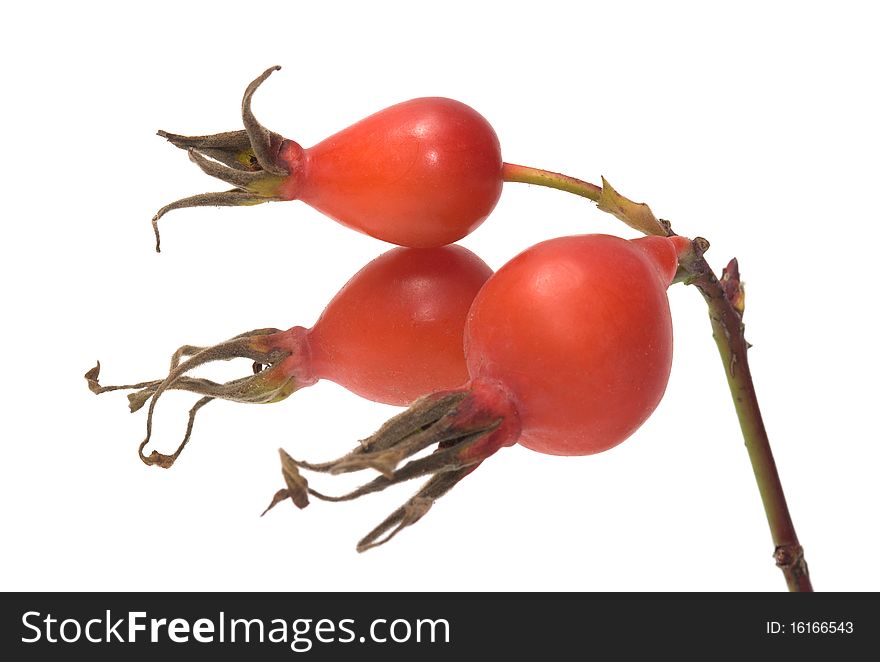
(821, 627)
(810, 627)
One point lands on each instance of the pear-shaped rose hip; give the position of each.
(391, 334)
(421, 173)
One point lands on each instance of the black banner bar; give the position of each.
(41, 626)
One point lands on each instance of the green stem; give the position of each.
(728, 332)
(527, 175)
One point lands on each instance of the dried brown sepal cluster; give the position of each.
(247, 159)
(433, 420)
(265, 385)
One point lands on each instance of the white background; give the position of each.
(754, 126)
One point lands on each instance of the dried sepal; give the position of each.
(248, 159)
(414, 509)
(273, 379)
(463, 436)
(297, 489)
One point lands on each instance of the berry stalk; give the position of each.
(527, 175)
